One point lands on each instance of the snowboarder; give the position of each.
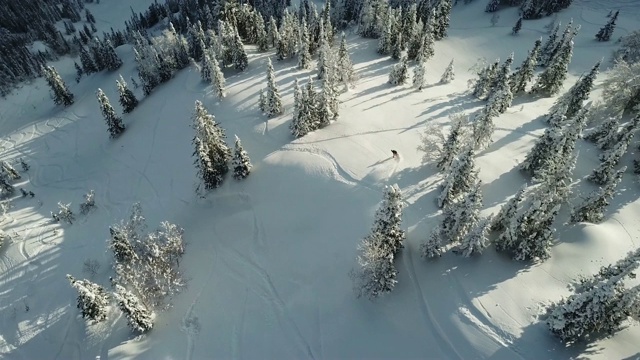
(395, 154)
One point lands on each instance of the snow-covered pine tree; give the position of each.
(605, 32)
(262, 40)
(304, 56)
(399, 74)
(414, 42)
(206, 66)
(345, 71)
(397, 47)
(211, 152)
(460, 177)
(508, 211)
(114, 123)
(239, 55)
(524, 74)
(419, 74)
(492, 6)
(93, 300)
(377, 274)
(127, 99)
(462, 215)
(598, 307)
(476, 240)
(324, 110)
(111, 59)
(454, 142)
(605, 131)
(534, 232)
(139, 318)
(298, 125)
(387, 34)
(389, 218)
(432, 247)
(88, 66)
(550, 81)
(448, 74)
(547, 49)
(309, 106)
(592, 208)
(79, 71)
(441, 21)
(500, 95)
(217, 79)
(273, 101)
(608, 160)
(517, 27)
(324, 53)
(59, 90)
(544, 150)
(262, 101)
(241, 162)
(89, 203)
(195, 40)
(486, 76)
(567, 105)
(427, 44)
(483, 125)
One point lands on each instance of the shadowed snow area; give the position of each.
(268, 258)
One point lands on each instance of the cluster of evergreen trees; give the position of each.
(530, 9)
(212, 153)
(599, 304)
(100, 55)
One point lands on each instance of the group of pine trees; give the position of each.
(146, 273)
(530, 9)
(212, 153)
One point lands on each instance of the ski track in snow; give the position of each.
(337, 172)
(425, 309)
(270, 294)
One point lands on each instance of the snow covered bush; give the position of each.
(621, 89)
(139, 317)
(64, 213)
(629, 50)
(431, 140)
(93, 300)
(7, 169)
(147, 264)
(89, 203)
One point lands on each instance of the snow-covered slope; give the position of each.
(268, 258)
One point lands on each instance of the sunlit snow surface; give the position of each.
(268, 258)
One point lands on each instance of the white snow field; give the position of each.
(268, 258)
